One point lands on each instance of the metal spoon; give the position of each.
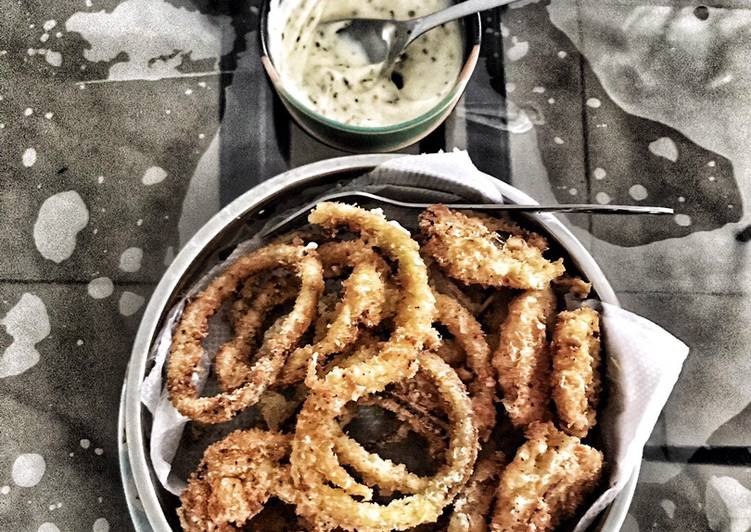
(385, 40)
(569, 207)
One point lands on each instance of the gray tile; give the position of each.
(713, 388)
(71, 394)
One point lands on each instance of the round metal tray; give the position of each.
(141, 488)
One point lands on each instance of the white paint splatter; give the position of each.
(28, 111)
(130, 259)
(101, 525)
(551, 100)
(638, 192)
(49, 116)
(60, 219)
(727, 504)
(85, 443)
(29, 157)
(593, 103)
(600, 173)
(79, 342)
(28, 323)
(562, 54)
(100, 179)
(711, 164)
(100, 287)
(518, 50)
(681, 199)
(53, 58)
(573, 191)
(48, 527)
(664, 147)
(602, 198)
(99, 451)
(201, 136)
(188, 92)
(157, 52)
(538, 90)
(5, 490)
(558, 140)
(45, 37)
(684, 220)
(28, 470)
(510, 86)
(153, 175)
(669, 507)
(130, 303)
(712, 178)
(49, 24)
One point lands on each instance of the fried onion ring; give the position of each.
(472, 506)
(576, 369)
(546, 482)
(472, 253)
(522, 359)
(187, 353)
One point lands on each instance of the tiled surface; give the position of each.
(647, 73)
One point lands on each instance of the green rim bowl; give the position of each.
(361, 139)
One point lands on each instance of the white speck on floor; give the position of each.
(29, 157)
(130, 259)
(202, 84)
(139, 222)
(99, 451)
(684, 220)
(638, 192)
(711, 164)
(573, 191)
(130, 303)
(681, 199)
(100, 179)
(48, 527)
(28, 324)
(518, 49)
(49, 116)
(85, 444)
(101, 525)
(558, 140)
(551, 100)
(602, 198)
(669, 507)
(538, 90)
(600, 173)
(100, 287)
(562, 54)
(153, 175)
(201, 136)
(53, 58)
(5, 490)
(188, 92)
(712, 178)
(593, 103)
(49, 24)
(28, 470)
(664, 147)
(28, 111)
(60, 218)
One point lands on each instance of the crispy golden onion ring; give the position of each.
(232, 361)
(236, 477)
(548, 479)
(472, 506)
(472, 253)
(364, 296)
(468, 332)
(332, 506)
(187, 353)
(522, 359)
(576, 369)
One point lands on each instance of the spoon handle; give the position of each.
(453, 12)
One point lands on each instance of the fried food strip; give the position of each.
(548, 479)
(574, 285)
(522, 359)
(503, 224)
(312, 454)
(472, 506)
(451, 352)
(576, 369)
(232, 361)
(236, 477)
(471, 252)
(364, 294)
(467, 331)
(187, 353)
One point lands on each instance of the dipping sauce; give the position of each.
(330, 74)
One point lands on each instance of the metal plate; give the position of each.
(220, 231)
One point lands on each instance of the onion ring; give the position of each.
(547, 480)
(576, 369)
(187, 352)
(231, 362)
(522, 359)
(472, 253)
(472, 506)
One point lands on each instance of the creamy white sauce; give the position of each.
(330, 74)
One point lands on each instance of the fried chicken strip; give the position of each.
(548, 479)
(576, 369)
(472, 506)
